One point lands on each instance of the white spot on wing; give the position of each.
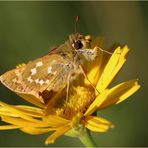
(29, 79)
(41, 82)
(33, 71)
(38, 64)
(50, 70)
(47, 81)
(37, 81)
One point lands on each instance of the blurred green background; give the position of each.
(29, 29)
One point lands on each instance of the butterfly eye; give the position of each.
(78, 44)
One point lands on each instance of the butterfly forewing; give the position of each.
(46, 73)
(13, 78)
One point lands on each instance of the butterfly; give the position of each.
(44, 77)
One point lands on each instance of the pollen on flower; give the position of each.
(79, 99)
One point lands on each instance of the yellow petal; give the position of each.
(60, 131)
(94, 73)
(17, 112)
(96, 103)
(36, 131)
(120, 92)
(4, 111)
(8, 127)
(27, 110)
(113, 66)
(32, 99)
(55, 121)
(24, 123)
(31, 111)
(115, 95)
(93, 68)
(97, 124)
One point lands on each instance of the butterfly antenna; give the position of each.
(76, 23)
(105, 51)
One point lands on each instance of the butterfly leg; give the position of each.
(67, 88)
(83, 72)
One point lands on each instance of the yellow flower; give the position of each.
(71, 117)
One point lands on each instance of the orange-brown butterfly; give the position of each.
(52, 72)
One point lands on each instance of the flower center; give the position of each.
(79, 100)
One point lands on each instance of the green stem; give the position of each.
(86, 139)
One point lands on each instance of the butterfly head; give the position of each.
(81, 45)
(79, 41)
